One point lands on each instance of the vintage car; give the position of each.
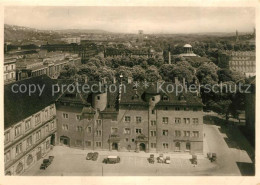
(95, 156)
(167, 160)
(89, 156)
(45, 164)
(160, 159)
(112, 160)
(151, 159)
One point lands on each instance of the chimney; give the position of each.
(129, 80)
(170, 60)
(176, 81)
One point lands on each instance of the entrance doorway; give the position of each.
(142, 147)
(53, 139)
(64, 140)
(114, 146)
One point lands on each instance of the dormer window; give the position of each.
(165, 98)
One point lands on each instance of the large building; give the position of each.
(243, 61)
(131, 119)
(9, 70)
(29, 124)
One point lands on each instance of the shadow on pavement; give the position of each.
(246, 169)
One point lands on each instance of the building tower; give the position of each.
(169, 53)
(140, 36)
(237, 38)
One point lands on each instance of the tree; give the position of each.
(68, 72)
(138, 73)
(152, 74)
(207, 73)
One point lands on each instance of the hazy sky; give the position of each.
(131, 19)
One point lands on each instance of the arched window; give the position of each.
(19, 168)
(29, 159)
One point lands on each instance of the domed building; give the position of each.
(188, 51)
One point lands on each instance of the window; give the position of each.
(186, 120)
(127, 131)
(153, 99)
(52, 125)
(165, 145)
(177, 108)
(138, 131)
(27, 124)
(7, 156)
(165, 132)
(195, 121)
(177, 120)
(98, 97)
(79, 129)
(7, 137)
(114, 130)
(98, 144)
(133, 140)
(47, 129)
(29, 141)
(165, 120)
(195, 133)
(153, 123)
(186, 108)
(78, 117)
(153, 145)
(153, 111)
(127, 118)
(195, 109)
(89, 130)
(65, 127)
(78, 142)
(51, 110)
(47, 145)
(165, 98)
(37, 118)
(18, 149)
(38, 135)
(65, 115)
(153, 133)
(177, 146)
(138, 119)
(165, 108)
(187, 146)
(126, 139)
(177, 133)
(88, 143)
(187, 133)
(46, 114)
(17, 131)
(99, 122)
(98, 133)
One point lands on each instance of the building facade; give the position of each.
(243, 61)
(29, 128)
(130, 119)
(9, 70)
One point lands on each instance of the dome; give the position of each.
(187, 46)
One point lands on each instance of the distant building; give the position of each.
(29, 125)
(131, 120)
(71, 40)
(188, 51)
(140, 36)
(9, 70)
(244, 62)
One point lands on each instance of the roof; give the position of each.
(187, 46)
(18, 106)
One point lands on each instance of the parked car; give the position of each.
(160, 159)
(112, 160)
(45, 164)
(89, 156)
(151, 159)
(168, 160)
(95, 156)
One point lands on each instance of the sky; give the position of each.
(132, 19)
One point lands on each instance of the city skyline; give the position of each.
(166, 20)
